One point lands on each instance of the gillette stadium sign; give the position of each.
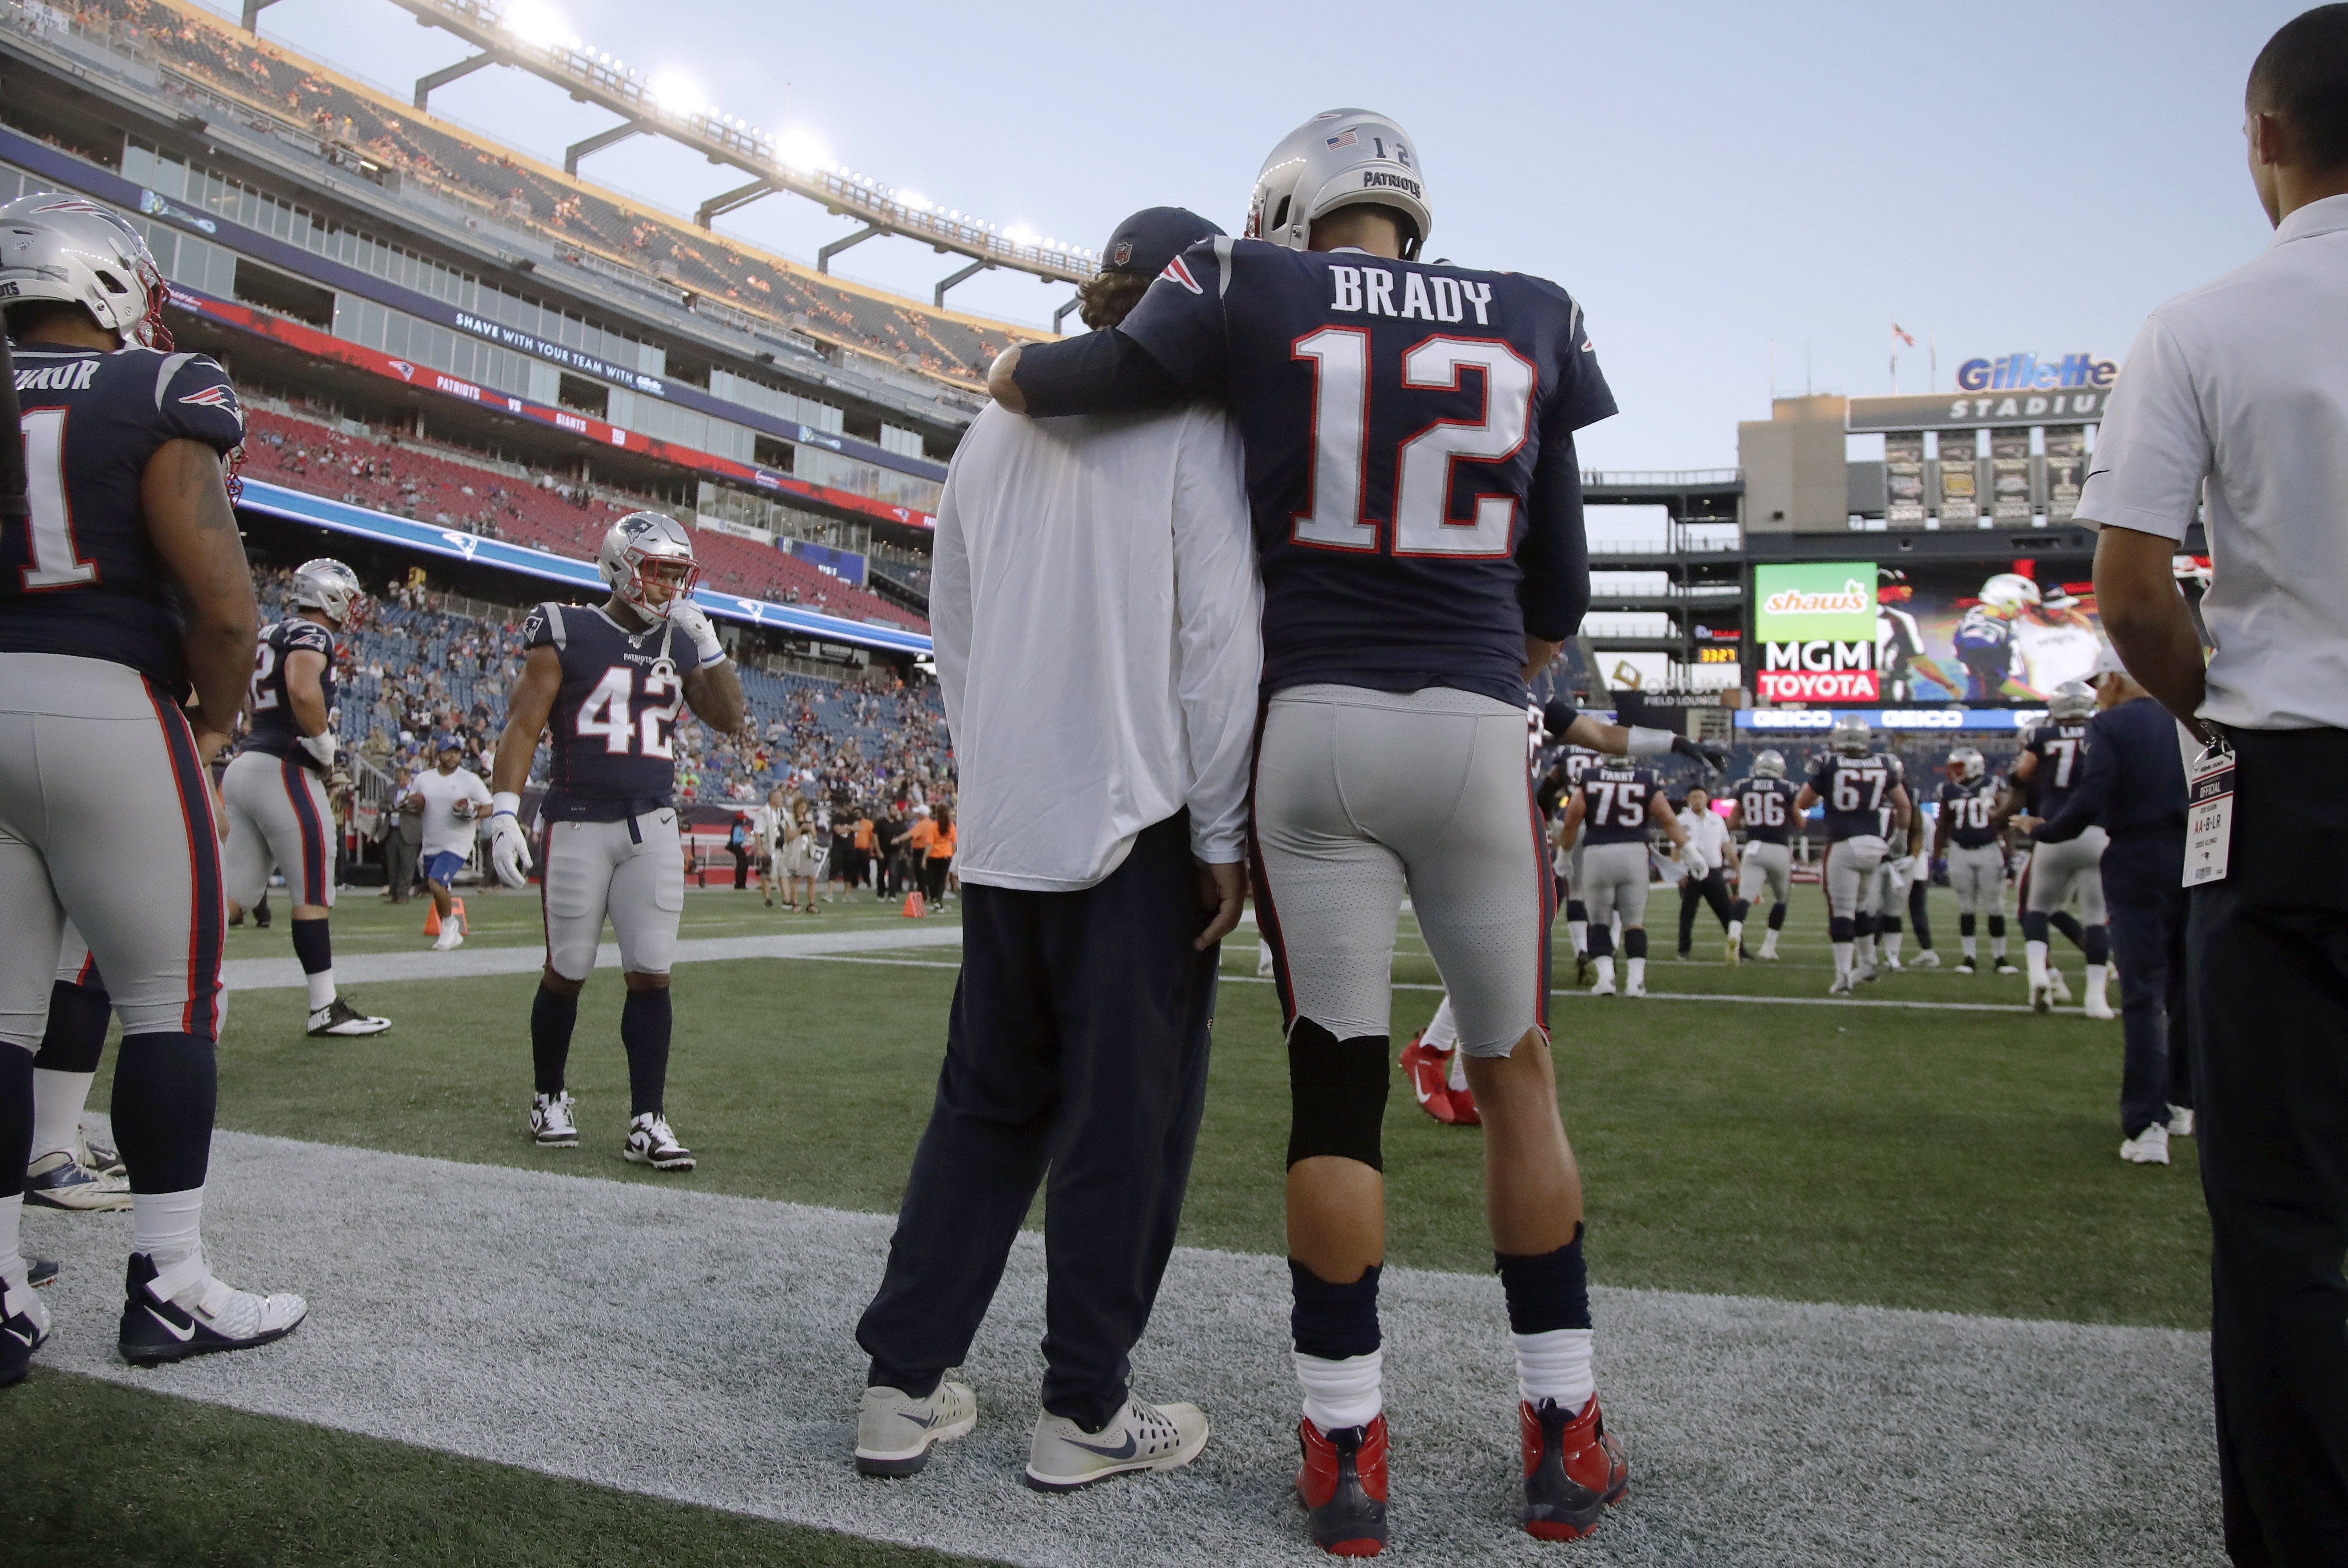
(2028, 372)
(2013, 389)
(1816, 626)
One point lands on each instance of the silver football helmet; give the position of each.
(1342, 158)
(1966, 764)
(331, 588)
(642, 548)
(62, 247)
(1851, 737)
(2070, 700)
(1769, 764)
(2008, 592)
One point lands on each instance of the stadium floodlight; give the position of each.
(676, 94)
(534, 22)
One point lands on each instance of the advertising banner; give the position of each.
(1903, 478)
(1816, 625)
(1974, 633)
(1960, 484)
(2066, 469)
(2009, 475)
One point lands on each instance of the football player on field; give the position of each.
(1855, 782)
(1976, 850)
(610, 679)
(2048, 769)
(276, 790)
(1763, 806)
(123, 590)
(1610, 815)
(1409, 439)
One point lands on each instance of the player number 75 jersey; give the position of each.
(613, 715)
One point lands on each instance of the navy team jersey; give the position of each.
(2060, 747)
(1410, 466)
(1768, 808)
(80, 577)
(275, 728)
(1856, 792)
(1614, 805)
(613, 716)
(1968, 813)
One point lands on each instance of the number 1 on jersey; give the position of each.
(55, 562)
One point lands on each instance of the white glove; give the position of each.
(1692, 859)
(1903, 866)
(510, 854)
(321, 746)
(688, 618)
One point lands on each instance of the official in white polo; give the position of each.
(1096, 609)
(2235, 396)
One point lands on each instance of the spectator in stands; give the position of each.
(941, 853)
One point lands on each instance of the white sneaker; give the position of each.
(1263, 959)
(894, 1430)
(24, 1326)
(2097, 1006)
(551, 1123)
(1063, 1456)
(2150, 1147)
(170, 1315)
(2042, 998)
(1635, 989)
(450, 936)
(650, 1142)
(2061, 987)
(1864, 975)
(58, 1180)
(2180, 1121)
(1927, 959)
(1604, 988)
(1841, 988)
(339, 1018)
(1892, 964)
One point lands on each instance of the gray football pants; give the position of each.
(106, 820)
(2057, 869)
(634, 871)
(278, 818)
(1361, 795)
(1978, 875)
(1769, 865)
(1850, 870)
(1614, 881)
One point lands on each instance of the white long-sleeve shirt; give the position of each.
(1708, 830)
(1094, 609)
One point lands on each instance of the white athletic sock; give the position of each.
(1458, 1078)
(1634, 971)
(57, 1099)
(1971, 951)
(1891, 946)
(1770, 943)
(1605, 966)
(1340, 1394)
(1842, 952)
(1556, 1365)
(2096, 976)
(322, 988)
(11, 1261)
(1736, 933)
(2033, 958)
(1442, 1031)
(1263, 959)
(1997, 949)
(166, 1226)
(1580, 931)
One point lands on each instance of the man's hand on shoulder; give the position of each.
(1222, 891)
(999, 383)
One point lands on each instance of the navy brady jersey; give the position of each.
(1614, 805)
(1968, 811)
(1410, 466)
(275, 728)
(2060, 747)
(613, 713)
(79, 576)
(1768, 808)
(1855, 793)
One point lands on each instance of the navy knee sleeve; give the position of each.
(1839, 929)
(1602, 942)
(1331, 1321)
(15, 1117)
(1889, 925)
(76, 1036)
(314, 946)
(1634, 942)
(2097, 944)
(1997, 925)
(1738, 910)
(1337, 1095)
(1964, 925)
(644, 1022)
(165, 1089)
(552, 1016)
(1777, 917)
(1864, 926)
(2034, 928)
(2067, 923)
(1575, 909)
(1547, 1291)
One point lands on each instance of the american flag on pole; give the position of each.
(1901, 335)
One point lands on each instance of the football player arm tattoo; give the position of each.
(2148, 623)
(525, 714)
(304, 690)
(192, 527)
(714, 695)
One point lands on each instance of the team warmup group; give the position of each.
(1408, 433)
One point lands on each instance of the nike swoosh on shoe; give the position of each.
(1125, 1450)
(181, 1335)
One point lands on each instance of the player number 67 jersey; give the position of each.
(1855, 792)
(613, 715)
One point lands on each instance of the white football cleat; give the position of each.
(2006, 968)
(171, 1314)
(1635, 989)
(1841, 988)
(58, 1180)
(1891, 962)
(1263, 959)
(339, 1018)
(894, 1430)
(450, 936)
(2042, 998)
(1927, 959)
(2150, 1147)
(1063, 1456)
(24, 1327)
(2180, 1121)
(650, 1142)
(2057, 984)
(551, 1123)
(1604, 988)
(2097, 1006)
(1864, 975)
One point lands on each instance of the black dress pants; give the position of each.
(1077, 1044)
(2267, 964)
(2145, 903)
(1711, 889)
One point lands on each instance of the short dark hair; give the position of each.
(2303, 75)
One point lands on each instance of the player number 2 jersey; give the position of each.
(1768, 808)
(1410, 473)
(276, 730)
(1855, 792)
(613, 715)
(1614, 805)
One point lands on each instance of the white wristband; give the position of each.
(1645, 742)
(505, 802)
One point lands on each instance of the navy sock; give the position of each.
(2067, 923)
(1331, 1321)
(2097, 943)
(15, 1117)
(552, 1016)
(2034, 928)
(1777, 917)
(1547, 1291)
(1964, 925)
(1602, 942)
(165, 1088)
(312, 945)
(76, 1036)
(644, 1030)
(1634, 942)
(1575, 909)
(1996, 926)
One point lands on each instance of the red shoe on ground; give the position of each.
(1343, 1481)
(1574, 1472)
(1463, 1108)
(1427, 1071)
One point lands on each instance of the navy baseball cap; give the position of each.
(1152, 237)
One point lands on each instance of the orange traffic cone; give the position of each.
(431, 918)
(457, 908)
(914, 906)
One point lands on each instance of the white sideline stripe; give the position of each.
(681, 1344)
(280, 974)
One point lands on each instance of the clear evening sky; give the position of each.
(1705, 177)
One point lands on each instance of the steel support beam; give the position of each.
(445, 74)
(252, 10)
(938, 296)
(1061, 313)
(823, 257)
(598, 142)
(726, 201)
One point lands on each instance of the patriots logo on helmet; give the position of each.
(1178, 273)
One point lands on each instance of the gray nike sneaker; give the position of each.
(894, 1430)
(1064, 1456)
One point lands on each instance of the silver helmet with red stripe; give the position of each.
(56, 246)
(648, 559)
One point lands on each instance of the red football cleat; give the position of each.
(1574, 1472)
(1427, 1071)
(1343, 1481)
(1463, 1108)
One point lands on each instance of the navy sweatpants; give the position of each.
(1077, 1044)
(2144, 902)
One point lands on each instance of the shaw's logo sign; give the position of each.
(2028, 372)
(1854, 597)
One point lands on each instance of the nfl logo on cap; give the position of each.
(1124, 253)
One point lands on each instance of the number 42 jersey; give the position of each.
(1410, 465)
(614, 714)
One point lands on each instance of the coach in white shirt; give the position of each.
(2236, 397)
(1096, 610)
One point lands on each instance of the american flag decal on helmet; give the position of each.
(1180, 273)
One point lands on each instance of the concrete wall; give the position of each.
(1793, 463)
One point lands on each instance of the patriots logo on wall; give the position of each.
(1180, 273)
(406, 371)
